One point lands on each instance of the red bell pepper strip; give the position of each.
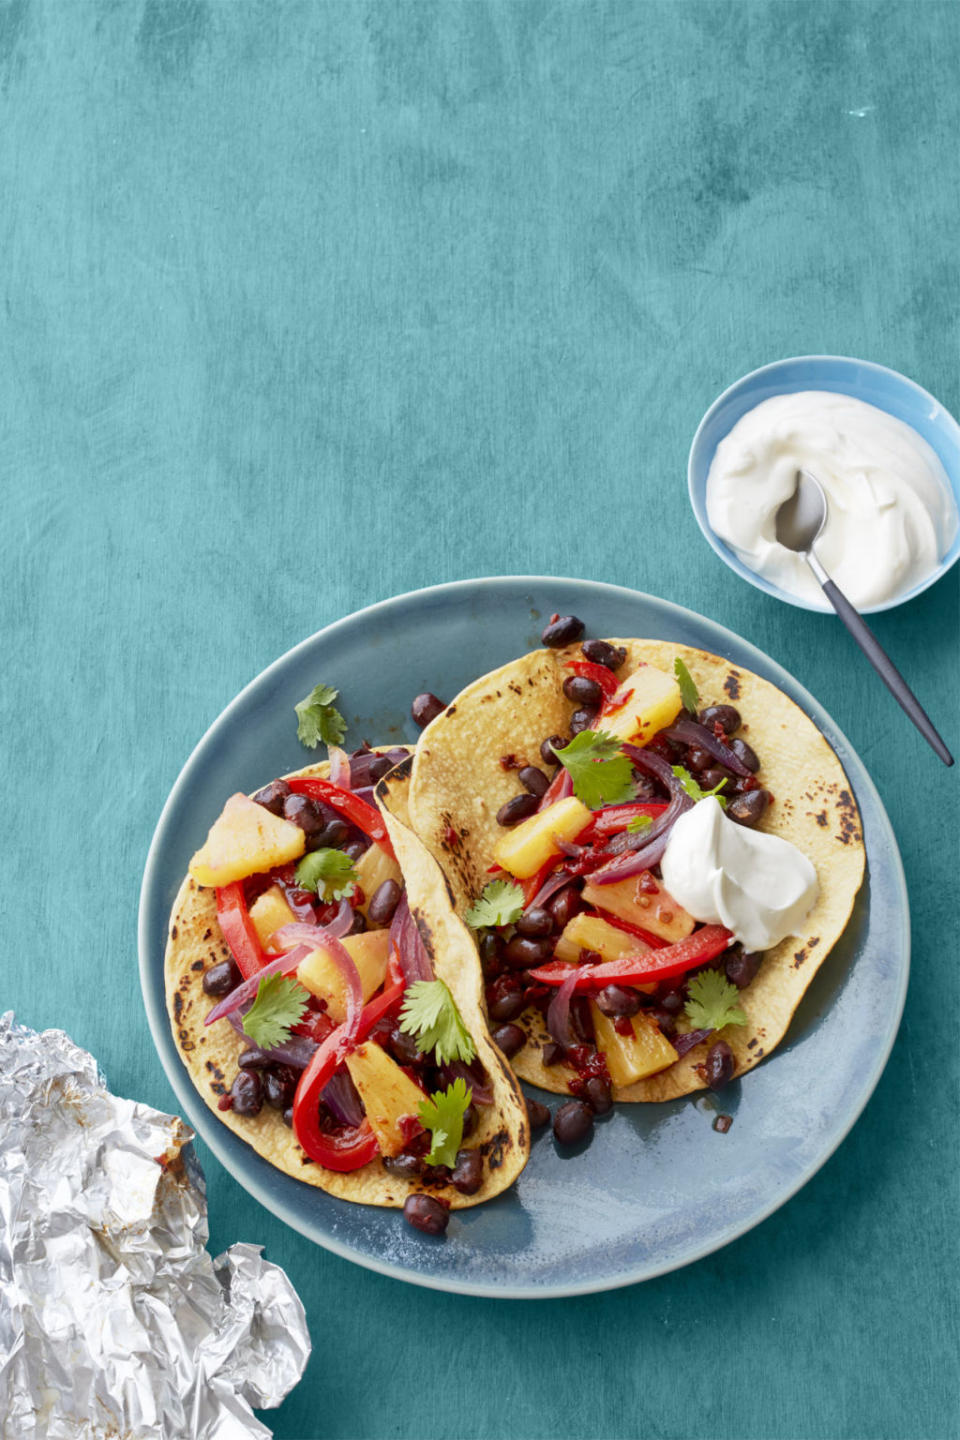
(531, 886)
(617, 817)
(653, 966)
(239, 930)
(605, 678)
(611, 708)
(343, 1150)
(553, 791)
(350, 806)
(656, 942)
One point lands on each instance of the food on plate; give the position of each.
(326, 1001)
(656, 851)
(891, 514)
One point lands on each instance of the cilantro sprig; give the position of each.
(430, 1013)
(500, 903)
(694, 790)
(601, 773)
(328, 873)
(639, 822)
(318, 720)
(443, 1116)
(280, 1004)
(688, 689)
(713, 1002)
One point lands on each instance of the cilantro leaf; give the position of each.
(693, 789)
(713, 1002)
(501, 903)
(280, 1004)
(317, 718)
(328, 873)
(430, 1013)
(443, 1116)
(688, 690)
(639, 822)
(601, 774)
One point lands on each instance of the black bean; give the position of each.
(358, 924)
(598, 1095)
(535, 922)
(288, 1116)
(330, 837)
(580, 1017)
(505, 998)
(600, 653)
(564, 905)
(272, 796)
(614, 1000)
(748, 808)
(728, 717)
(719, 1065)
(537, 1114)
(280, 1086)
(533, 780)
(221, 979)
(490, 948)
(426, 707)
(711, 777)
(742, 966)
(509, 1039)
(523, 953)
(403, 1048)
(746, 753)
(572, 1122)
(564, 630)
(355, 848)
(302, 811)
(471, 1118)
(517, 809)
(467, 1174)
(551, 744)
(698, 759)
(246, 1093)
(581, 720)
(583, 691)
(405, 1167)
(673, 1002)
(666, 1021)
(425, 1213)
(384, 901)
(551, 1054)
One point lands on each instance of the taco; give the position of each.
(676, 765)
(321, 991)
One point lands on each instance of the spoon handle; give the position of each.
(883, 665)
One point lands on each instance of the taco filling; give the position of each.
(322, 1027)
(633, 877)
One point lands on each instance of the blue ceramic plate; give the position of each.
(886, 389)
(657, 1187)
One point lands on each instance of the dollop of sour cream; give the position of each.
(891, 514)
(759, 886)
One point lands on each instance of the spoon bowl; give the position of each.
(800, 520)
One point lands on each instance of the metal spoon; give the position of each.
(799, 523)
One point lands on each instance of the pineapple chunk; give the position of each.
(269, 913)
(524, 849)
(631, 1057)
(590, 932)
(387, 1094)
(373, 868)
(642, 901)
(245, 840)
(655, 703)
(320, 975)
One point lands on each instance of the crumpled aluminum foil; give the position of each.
(114, 1319)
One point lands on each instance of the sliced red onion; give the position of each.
(568, 848)
(283, 965)
(406, 940)
(341, 1098)
(655, 839)
(367, 793)
(303, 910)
(683, 1043)
(297, 1052)
(691, 732)
(457, 1070)
(550, 886)
(317, 935)
(558, 1012)
(339, 767)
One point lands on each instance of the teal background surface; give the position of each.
(305, 305)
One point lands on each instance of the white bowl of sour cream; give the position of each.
(885, 451)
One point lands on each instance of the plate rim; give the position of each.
(204, 1122)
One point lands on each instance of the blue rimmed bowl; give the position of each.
(875, 384)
